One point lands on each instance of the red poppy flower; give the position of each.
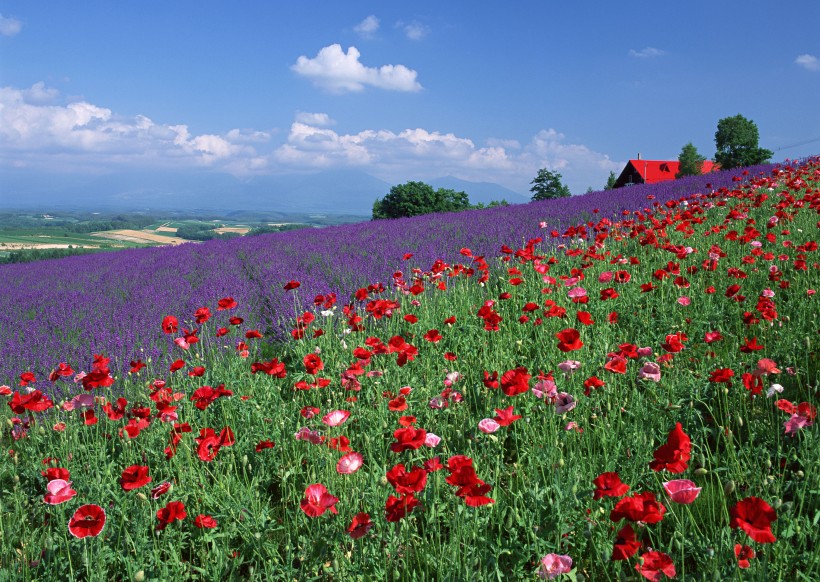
(56, 473)
(722, 375)
(408, 438)
(407, 482)
(290, 285)
(490, 380)
(639, 507)
(584, 317)
(616, 365)
(27, 378)
(505, 416)
(625, 544)
(609, 485)
(160, 489)
(202, 314)
(474, 494)
(514, 382)
(743, 554)
(317, 500)
(87, 521)
(134, 477)
(136, 366)
(34, 401)
(396, 508)
(170, 324)
(225, 303)
(196, 371)
(262, 445)
(569, 340)
(203, 521)
(61, 371)
(755, 517)
(174, 511)
(177, 365)
(674, 455)
(360, 525)
(654, 565)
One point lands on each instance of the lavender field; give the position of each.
(63, 310)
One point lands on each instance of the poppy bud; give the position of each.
(561, 462)
(768, 463)
(142, 496)
(729, 487)
(799, 474)
(777, 503)
(139, 576)
(701, 472)
(739, 420)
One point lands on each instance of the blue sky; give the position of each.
(403, 91)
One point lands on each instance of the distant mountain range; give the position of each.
(338, 191)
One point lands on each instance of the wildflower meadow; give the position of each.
(619, 386)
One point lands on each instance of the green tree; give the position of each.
(415, 198)
(736, 142)
(610, 181)
(547, 185)
(690, 162)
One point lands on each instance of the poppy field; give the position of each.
(622, 389)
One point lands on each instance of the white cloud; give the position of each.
(39, 131)
(315, 119)
(9, 26)
(33, 130)
(340, 72)
(416, 30)
(367, 28)
(646, 53)
(808, 62)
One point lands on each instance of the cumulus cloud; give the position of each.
(35, 131)
(367, 28)
(9, 26)
(646, 53)
(315, 119)
(808, 62)
(40, 130)
(422, 154)
(339, 72)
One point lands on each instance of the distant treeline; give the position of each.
(31, 255)
(76, 224)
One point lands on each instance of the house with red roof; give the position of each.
(640, 171)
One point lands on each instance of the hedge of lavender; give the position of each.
(68, 309)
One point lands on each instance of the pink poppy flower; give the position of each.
(431, 440)
(606, 277)
(335, 417)
(544, 388)
(553, 565)
(317, 500)
(682, 491)
(87, 521)
(650, 371)
(684, 301)
(488, 426)
(59, 491)
(564, 403)
(569, 366)
(350, 463)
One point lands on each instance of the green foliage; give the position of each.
(547, 185)
(690, 162)
(610, 181)
(736, 142)
(202, 232)
(417, 198)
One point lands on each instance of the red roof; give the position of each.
(653, 171)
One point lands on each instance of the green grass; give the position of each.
(540, 468)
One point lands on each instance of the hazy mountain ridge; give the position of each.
(338, 192)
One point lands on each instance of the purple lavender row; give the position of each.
(66, 310)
